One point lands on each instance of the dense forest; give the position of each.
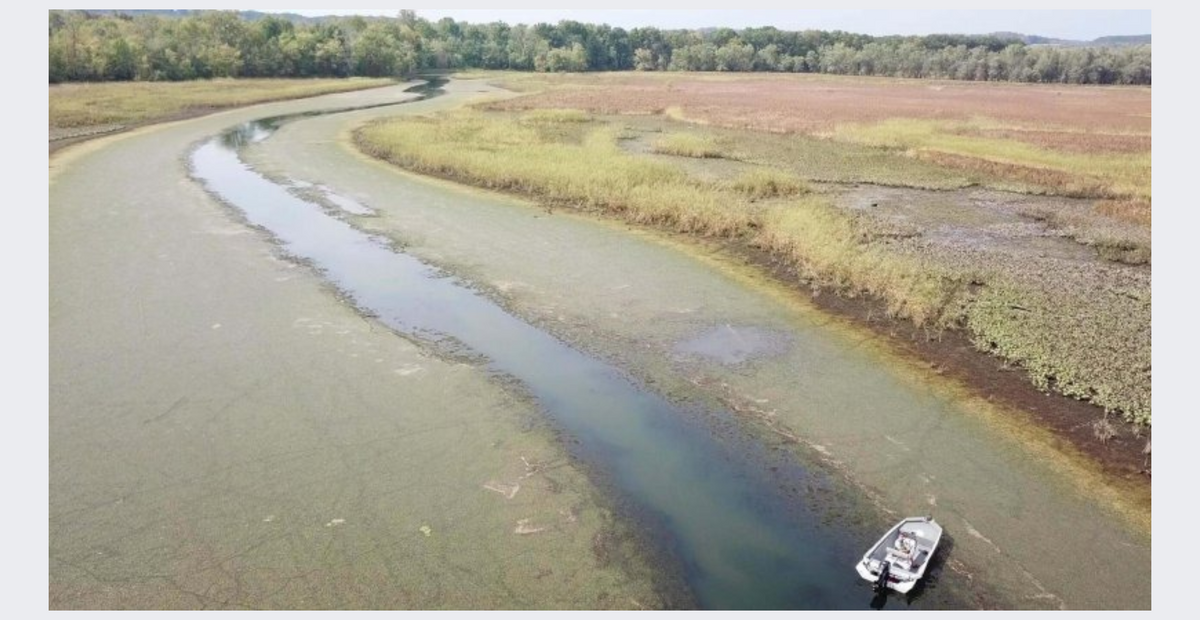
(114, 46)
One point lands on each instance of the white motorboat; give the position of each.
(899, 559)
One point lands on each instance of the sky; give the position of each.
(1065, 24)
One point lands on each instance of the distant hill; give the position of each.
(1136, 39)
(1111, 41)
(246, 15)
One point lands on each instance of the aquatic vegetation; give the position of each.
(688, 145)
(828, 249)
(1068, 335)
(585, 169)
(817, 104)
(556, 115)
(768, 183)
(1092, 344)
(1091, 174)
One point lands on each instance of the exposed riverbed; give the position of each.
(752, 445)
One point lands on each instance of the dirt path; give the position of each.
(225, 432)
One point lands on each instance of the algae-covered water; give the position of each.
(711, 506)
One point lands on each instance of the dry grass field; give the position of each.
(818, 103)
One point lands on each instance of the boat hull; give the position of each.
(902, 587)
(905, 551)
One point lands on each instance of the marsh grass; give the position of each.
(762, 183)
(689, 145)
(127, 103)
(1077, 350)
(556, 115)
(1103, 430)
(827, 247)
(1134, 211)
(588, 170)
(1100, 174)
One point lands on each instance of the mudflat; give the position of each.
(225, 432)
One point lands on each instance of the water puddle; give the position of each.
(711, 507)
(733, 345)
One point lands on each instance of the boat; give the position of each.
(899, 559)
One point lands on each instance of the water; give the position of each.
(733, 345)
(712, 508)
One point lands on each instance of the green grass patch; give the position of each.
(556, 115)
(127, 103)
(590, 171)
(827, 247)
(824, 160)
(1085, 349)
(762, 183)
(1098, 175)
(688, 145)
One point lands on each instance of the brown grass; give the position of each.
(1133, 211)
(817, 104)
(1068, 141)
(1065, 183)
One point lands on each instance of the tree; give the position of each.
(87, 46)
(768, 59)
(644, 60)
(563, 59)
(376, 52)
(735, 56)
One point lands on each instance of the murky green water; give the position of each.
(713, 509)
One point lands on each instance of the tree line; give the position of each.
(114, 46)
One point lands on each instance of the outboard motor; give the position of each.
(885, 570)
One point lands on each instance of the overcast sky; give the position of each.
(1067, 24)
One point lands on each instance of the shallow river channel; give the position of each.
(739, 521)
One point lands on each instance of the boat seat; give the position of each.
(899, 559)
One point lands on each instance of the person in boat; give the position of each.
(905, 551)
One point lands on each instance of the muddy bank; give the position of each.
(950, 353)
